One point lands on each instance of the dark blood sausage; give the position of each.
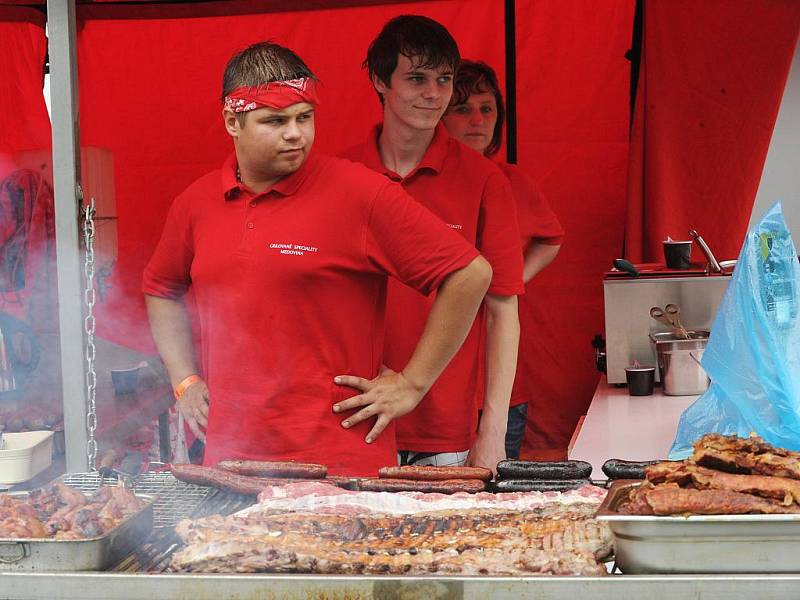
(447, 486)
(626, 469)
(274, 469)
(226, 480)
(563, 470)
(539, 485)
(435, 473)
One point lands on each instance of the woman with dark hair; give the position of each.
(475, 117)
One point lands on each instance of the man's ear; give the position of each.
(232, 125)
(379, 85)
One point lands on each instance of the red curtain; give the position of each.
(149, 98)
(27, 252)
(710, 86)
(24, 124)
(573, 99)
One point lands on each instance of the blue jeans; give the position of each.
(515, 430)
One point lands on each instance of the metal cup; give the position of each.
(125, 381)
(678, 254)
(640, 380)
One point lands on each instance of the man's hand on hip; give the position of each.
(388, 396)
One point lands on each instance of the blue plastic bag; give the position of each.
(753, 354)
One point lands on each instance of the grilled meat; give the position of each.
(252, 557)
(65, 513)
(745, 455)
(46, 501)
(669, 499)
(679, 473)
(19, 520)
(785, 490)
(444, 486)
(425, 473)
(554, 539)
(275, 469)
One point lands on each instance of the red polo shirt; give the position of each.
(472, 196)
(290, 287)
(537, 223)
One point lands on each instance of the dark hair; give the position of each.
(476, 77)
(262, 63)
(413, 36)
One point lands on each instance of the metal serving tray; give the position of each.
(700, 543)
(90, 554)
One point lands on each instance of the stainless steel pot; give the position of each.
(679, 362)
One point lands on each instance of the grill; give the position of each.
(176, 500)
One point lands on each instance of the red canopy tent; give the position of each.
(149, 86)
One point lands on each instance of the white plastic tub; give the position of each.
(25, 455)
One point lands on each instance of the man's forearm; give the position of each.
(172, 332)
(451, 316)
(502, 343)
(537, 257)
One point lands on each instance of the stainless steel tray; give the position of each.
(90, 554)
(700, 543)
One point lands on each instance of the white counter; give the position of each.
(627, 427)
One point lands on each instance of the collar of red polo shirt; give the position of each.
(275, 94)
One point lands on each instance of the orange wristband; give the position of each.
(183, 385)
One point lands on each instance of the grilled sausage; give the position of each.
(539, 485)
(626, 469)
(419, 473)
(226, 480)
(274, 469)
(447, 486)
(551, 470)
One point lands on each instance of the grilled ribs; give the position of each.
(669, 499)
(745, 455)
(252, 557)
(475, 542)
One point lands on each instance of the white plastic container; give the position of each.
(25, 455)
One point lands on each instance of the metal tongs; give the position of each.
(126, 473)
(670, 316)
(713, 263)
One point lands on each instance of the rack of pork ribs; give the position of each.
(314, 527)
(64, 513)
(725, 475)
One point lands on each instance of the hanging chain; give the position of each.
(89, 327)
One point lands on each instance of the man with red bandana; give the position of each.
(411, 64)
(288, 253)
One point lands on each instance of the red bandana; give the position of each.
(276, 94)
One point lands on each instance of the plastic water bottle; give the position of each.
(778, 295)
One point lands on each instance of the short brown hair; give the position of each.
(475, 77)
(262, 63)
(413, 36)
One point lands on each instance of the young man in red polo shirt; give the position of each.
(288, 253)
(411, 64)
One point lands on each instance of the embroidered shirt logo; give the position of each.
(455, 226)
(292, 249)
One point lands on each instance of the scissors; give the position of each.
(670, 316)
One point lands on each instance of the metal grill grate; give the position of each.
(176, 500)
(154, 555)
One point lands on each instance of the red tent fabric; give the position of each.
(24, 124)
(157, 110)
(27, 267)
(710, 86)
(573, 86)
